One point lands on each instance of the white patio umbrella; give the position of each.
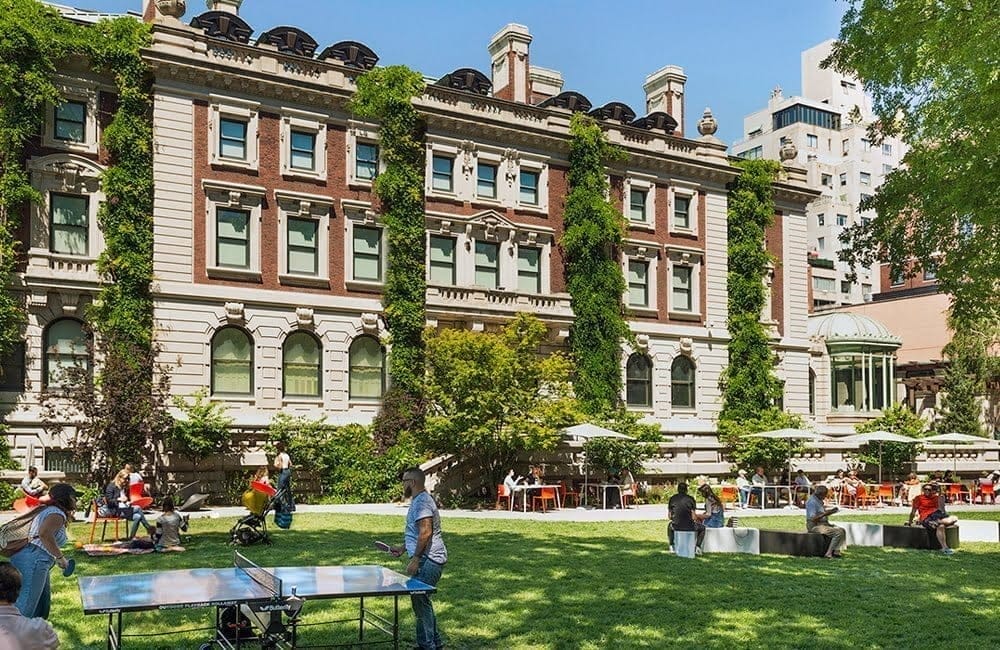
(955, 439)
(586, 431)
(790, 435)
(879, 437)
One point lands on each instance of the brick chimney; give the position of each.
(229, 6)
(665, 92)
(509, 55)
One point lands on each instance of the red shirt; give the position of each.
(926, 505)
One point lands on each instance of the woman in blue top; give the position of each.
(45, 538)
(715, 512)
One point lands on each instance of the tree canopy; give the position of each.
(931, 69)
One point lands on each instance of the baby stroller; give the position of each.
(252, 528)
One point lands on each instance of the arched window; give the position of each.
(302, 366)
(367, 359)
(682, 383)
(232, 362)
(65, 350)
(639, 381)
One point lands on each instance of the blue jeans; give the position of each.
(285, 483)
(34, 563)
(428, 635)
(744, 496)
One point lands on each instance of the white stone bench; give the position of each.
(731, 540)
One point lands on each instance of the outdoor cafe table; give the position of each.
(524, 489)
(775, 489)
(604, 487)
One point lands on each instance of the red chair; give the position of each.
(547, 494)
(885, 494)
(565, 494)
(22, 506)
(728, 494)
(955, 492)
(503, 492)
(136, 495)
(96, 517)
(986, 491)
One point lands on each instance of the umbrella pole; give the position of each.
(880, 462)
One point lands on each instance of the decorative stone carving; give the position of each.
(707, 124)
(234, 312)
(788, 150)
(511, 157)
(304, 316)
(468, 149)
(171, 8)
(686, 346)
(369, 322)
(642, 342)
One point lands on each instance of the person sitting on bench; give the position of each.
(681, 511)
(817, 522)
(932, 516)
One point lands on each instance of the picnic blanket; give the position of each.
(122, 548)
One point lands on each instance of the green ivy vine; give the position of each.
(386, 95)
(591, 243)
(749, 387)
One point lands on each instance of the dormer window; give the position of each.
(70, 122)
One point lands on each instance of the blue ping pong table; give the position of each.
(270, 599)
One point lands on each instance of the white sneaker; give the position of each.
(697, 551)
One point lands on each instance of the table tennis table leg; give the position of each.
(395, 623)
(115, 631)
(361, 622)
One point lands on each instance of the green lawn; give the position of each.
(527, 584)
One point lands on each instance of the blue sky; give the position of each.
(733, 51)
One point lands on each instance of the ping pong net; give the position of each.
(261, 576)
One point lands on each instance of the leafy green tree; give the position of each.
(594, 234)
(931, 69)
(963, 384)
(771, 454)
(612, 456)
(897, 457)
(205, 430)
(491, 396)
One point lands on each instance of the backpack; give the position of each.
(14, 534)
(283, 520)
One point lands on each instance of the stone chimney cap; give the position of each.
(510, 31)
(666, 72)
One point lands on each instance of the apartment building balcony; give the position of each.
(449, 303)
(45, 267)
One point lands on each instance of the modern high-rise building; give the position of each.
(825, 130)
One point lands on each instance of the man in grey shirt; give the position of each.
(817, 522)
(428, 555)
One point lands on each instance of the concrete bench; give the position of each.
(731, 540)
(859, 534)
(979, 531)
(785, 542)
(917, 537)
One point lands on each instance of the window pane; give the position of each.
(232, 237)
(302, 160)
(367, 253)
(302, 232)
(638, 381)
(529, 276)
(232, 360)
(682, 383)
(366, 163)
(487, 269)
(638, 283)
(233, 224)
(529, 187)
(232, 139)
(70, 224)
(637, 205)
(366, 368)
(302, 246)
(681, 288)
(65, 349)
(442, 254)
(301, 367)
(441, 179)
(303, 150)
(486, 181)
(70, 120)
(12, 368)
(681, 217)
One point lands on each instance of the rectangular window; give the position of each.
(865, 221)
(845, 146)
(752, 154)
(866, 178)
(638, 283)
(12, 369)
(442, 260)
(886, 169)
(841, 219)
(824, 284)
(303, 150)
(897, 279)
(70, 123)
(843, 179)
(487, 265)
(820, 220)
(441, 178)
(682, 218)
(529, 269)
(232, 138)
(529, 187)
(866, 144)
(637, 205)
(827, 180)
(845, 286)
(812, 141)
(486, 181)
(367, 253)
(232, 238)
(366, 161)
(887, 149)
(821, 243)
(681, 289)
(303, 246)
(70, 228)
(866, 291)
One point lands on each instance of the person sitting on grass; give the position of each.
(17, 630)
(680, 510)
(932, 515)
(817, 522)
(168, 527)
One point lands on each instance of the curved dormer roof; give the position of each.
(614, 111)
(352, 54)
(467, 79)
(290, 40)
(570, 100)
(656, 120)
(222, 24)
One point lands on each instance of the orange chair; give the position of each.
(565, 494)
(860, 497)
(986, 491)
(547, 494)
(728, 494)
(104, 520)
(137, 497)
(955, 492)
(503, 492)
(885, 494)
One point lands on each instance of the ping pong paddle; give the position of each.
(70, 567)
(382, 546)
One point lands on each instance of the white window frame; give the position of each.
(496, 163)
(86, 93)
(64, 174)
(237, 109)
(235, 196)
(367, 134)
(357, 213)
(865, 178)
(303, 122)
(517, 267)
(689, 192)
(642, 183)
(693, 258)
(443, 150)
(537, 166)
(304, 206)
(812, 141)
(454, 261)
(648, 252)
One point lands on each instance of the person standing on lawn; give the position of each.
(283, 463)
(817, 522)
(932, 515)
(425, 546)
